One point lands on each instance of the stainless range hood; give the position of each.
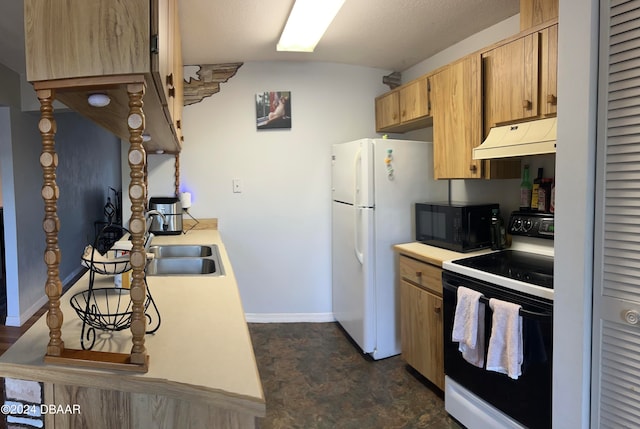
(526, 138)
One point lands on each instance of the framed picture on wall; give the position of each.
(273, 110)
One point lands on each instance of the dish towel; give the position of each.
(468, 326)
(505, 345)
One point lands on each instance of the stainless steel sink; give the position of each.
(185, 260)
(180, 251)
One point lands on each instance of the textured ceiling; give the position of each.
(387, 34)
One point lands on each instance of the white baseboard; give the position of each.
(24, 316)
(289, 317)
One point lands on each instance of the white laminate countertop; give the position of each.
(202, 350)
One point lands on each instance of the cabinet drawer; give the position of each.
(425, 275)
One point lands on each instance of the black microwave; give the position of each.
(462, 227)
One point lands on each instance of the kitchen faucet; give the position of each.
(152, 213)
(148, 218)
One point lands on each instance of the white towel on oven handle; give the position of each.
(468, 326)
(505, 352)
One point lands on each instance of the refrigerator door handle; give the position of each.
(357, 175)
(358, 226)
(357, 171)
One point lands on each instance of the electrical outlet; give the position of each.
(237, 186)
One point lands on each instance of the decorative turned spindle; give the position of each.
(146, 182)
(177, 173)
(51, 223)
(137, 223)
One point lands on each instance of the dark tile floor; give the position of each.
(314, 377)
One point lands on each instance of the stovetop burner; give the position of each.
(524, 266)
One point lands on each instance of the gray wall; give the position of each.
(89, 162)
(25, 204)
(89, 165)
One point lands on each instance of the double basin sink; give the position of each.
(184, 260)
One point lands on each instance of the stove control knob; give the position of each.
(632, 317)
(527, 224)
(517, 224)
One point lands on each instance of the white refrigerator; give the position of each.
(375, 183)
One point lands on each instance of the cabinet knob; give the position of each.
(437, 309)
(552, 99)
(473, 168)
(179, 124)
(419, 274)
(631, 317)
(526, 104)
(170, 79)
(172, 92)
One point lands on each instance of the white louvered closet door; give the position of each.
(616, 326)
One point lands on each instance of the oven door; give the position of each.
(527, 399)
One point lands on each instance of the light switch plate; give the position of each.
(237, 186)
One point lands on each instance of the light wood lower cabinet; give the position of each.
(421, 332)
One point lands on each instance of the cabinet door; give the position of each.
(162, 26)
(549, 71)
(535, 12)
(81, 38)
(421, 332)
(387, 110)
(414, 100)
(178, 78)
(510, 74)
(457, 119)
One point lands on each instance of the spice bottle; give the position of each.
(525, 190)
(534, 190)
(544, 195)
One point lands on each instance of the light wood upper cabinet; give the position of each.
(405, 108)
(549, 71)
(536, 12)
(520, 78)
(178, 79)
(457, 119)
(510, 74)
(512, 81)
(387, 110)
(77, 47)
(167, 63)
(421, 330)
(414, 100)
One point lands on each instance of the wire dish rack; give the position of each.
(108, 309)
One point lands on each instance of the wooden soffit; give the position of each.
(204, 80)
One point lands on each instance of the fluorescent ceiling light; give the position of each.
(308, 21)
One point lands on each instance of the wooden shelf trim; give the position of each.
(100, 360)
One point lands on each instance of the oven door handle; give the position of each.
(524, 313)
